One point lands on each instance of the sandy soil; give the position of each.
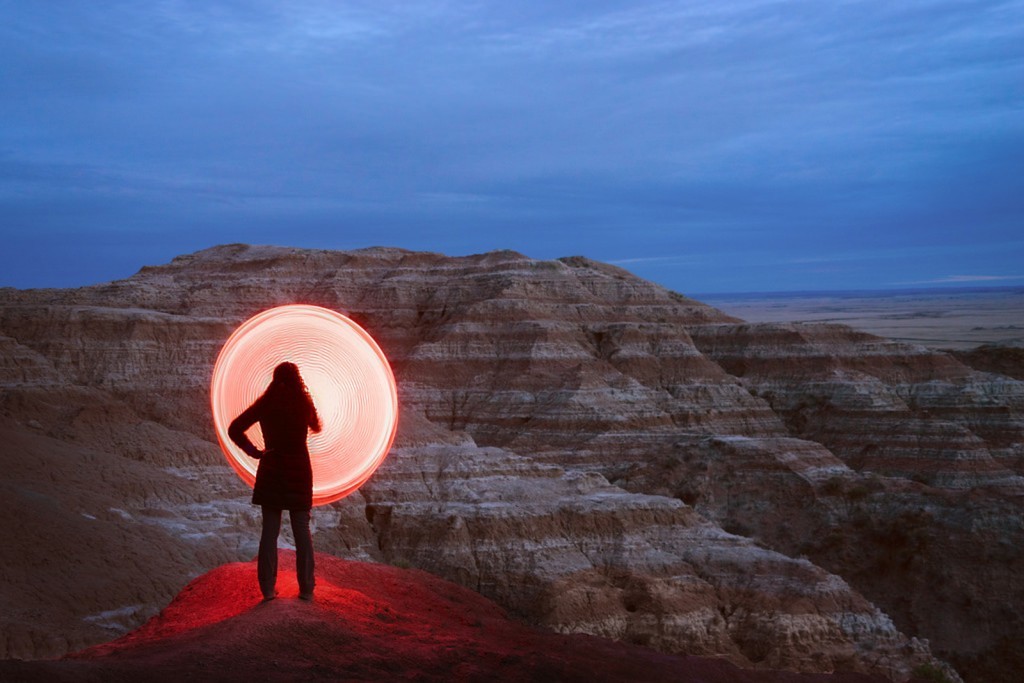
(940, 319)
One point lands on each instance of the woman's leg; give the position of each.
(303, 552)
(266, 563)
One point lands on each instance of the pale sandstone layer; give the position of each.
(526, 386)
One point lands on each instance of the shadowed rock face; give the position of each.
(1003, 360)
(594, 452)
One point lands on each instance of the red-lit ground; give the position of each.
(369, 622)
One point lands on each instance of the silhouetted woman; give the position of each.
(284, 479)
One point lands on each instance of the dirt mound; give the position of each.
(368, 622)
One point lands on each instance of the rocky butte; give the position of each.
(591, 451)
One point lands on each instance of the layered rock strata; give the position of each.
(564, 549)
(881, 406)
(535, 384)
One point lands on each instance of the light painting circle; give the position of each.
(349, 380)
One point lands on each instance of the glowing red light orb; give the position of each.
(347, 375)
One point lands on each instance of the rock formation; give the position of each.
(881, 406)
(592, 451)
(369, 622)
(1002, 359)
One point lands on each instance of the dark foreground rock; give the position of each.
(368, 622)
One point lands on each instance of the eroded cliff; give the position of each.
(596, 453)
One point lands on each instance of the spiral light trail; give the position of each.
(347, 375)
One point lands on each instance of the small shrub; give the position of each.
(737, 528)
(688, 496)
(833, 487)
(858, 492)
(930, 673)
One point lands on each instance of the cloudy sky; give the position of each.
(709, 145)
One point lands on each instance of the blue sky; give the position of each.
(727, 145)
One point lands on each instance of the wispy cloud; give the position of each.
(657, 261)
(711, 144)
(963, 279)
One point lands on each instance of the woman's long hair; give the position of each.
(288, 394)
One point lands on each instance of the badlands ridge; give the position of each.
(593, 452)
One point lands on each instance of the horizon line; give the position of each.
(955, 287)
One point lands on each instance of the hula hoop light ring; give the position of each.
(348, 377)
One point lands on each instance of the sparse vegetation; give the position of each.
(832, 487)
(930, 673)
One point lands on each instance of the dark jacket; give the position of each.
(284, 478)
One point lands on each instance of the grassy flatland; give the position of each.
(937, 318)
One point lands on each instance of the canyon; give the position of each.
(593, 452)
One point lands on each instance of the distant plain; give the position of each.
(958, 319)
